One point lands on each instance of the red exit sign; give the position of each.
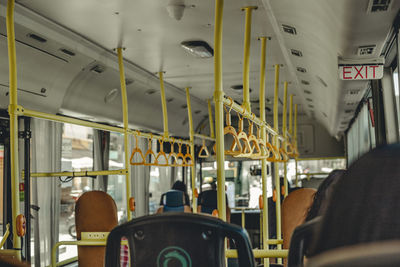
(361, 72)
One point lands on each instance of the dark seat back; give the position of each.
(208, 201)
(377, 254)
(178, 239)
(173, 200)
(297, 243)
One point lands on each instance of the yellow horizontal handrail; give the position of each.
(260, 253)
(92, 243)
(248, 115)
(78, 174)
(202, 136)
(21, 111)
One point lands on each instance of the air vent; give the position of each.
(184, 106)
(296, 53)
(309, 99)
(307, 92)
(289, 29)
(366, 50)
(354, 92)
(128, 81)
(150, 92)
(323, 113)
(305, 82)
(37, 38)
(351, 103)
(311, 106)
(344, 122)
(268, 109)
(302, 70)
(347, 111)
(197, 112)
(237, 87)
(68, 52)
(169, 100)
(379, 6)
(321, 81)
(98, 69)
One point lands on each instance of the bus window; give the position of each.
(160, 182)
(77, 155)
(397, 94)
(311, 172)
(1, 187)
(116, 183)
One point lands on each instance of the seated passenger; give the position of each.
(322, 196)
(207, 201)
(364, 204)
(175, 199)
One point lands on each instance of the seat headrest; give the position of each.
(174, 198)
(382, 254)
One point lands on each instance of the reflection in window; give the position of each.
(77, 155)
(312, 172)
(397, 94)
(116, 183)
(1, 187)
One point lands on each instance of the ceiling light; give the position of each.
(198, 48)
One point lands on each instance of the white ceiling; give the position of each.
(326, 30)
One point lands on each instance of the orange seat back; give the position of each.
(294, 211)
(95, 211)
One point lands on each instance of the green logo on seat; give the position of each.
(173, 255)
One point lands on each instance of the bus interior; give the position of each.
(254, 97)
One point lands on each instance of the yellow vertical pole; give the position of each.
(191, 134)
(276, 164)
(163, 104)
(264, 227)
(291, 115)
(210, 118)
(295, 140)
(295, 126)
(284, 131)
(246, 57)
(219, 108)
(126, 127)
(12, 65)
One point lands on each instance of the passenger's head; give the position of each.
(364, 206)
(321, 197)
(179, 185)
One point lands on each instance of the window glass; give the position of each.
(311, 172)
(1, 187)
(396, 93)
(77, 155)
(160, 182)
(116, 185)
